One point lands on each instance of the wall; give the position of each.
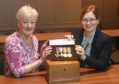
(109, 11)
(58, 15)
(54, 15)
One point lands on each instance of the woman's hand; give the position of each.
(70, 37)
(45, 51)
(80, 52)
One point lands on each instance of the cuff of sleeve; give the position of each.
(83, 57)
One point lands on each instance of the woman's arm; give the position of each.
(103, 58)
(14, 56)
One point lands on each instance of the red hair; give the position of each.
(89, 8)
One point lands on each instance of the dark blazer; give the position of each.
(101, 48)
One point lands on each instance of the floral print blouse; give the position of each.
(17, 54)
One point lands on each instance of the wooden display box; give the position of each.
(62, 71)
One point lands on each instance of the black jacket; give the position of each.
(101, 48)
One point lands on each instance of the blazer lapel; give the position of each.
(78, 35)
(81, 36)
(94, 44)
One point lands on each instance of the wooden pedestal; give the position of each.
(62, 71)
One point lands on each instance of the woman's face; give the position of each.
(27, 25)
(89, 22)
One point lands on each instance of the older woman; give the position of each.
(92, 46)
(21, 47)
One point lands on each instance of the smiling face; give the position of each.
(89, 18)
(26, 19)
(89, 21)
(27, 25)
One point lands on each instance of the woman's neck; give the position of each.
(88, 34)
(27, 40)
(24, 37)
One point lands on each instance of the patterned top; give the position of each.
(17, 54)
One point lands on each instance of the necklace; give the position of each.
(26, 41)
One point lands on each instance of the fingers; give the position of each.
(70, 37)
(46, 51)
(79, 50)
(45, 44)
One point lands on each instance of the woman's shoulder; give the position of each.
(78, 30)
(102, 36)
(13, 38)
(34, 38)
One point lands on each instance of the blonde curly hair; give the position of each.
(26, 11)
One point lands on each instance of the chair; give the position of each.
(1, 67)
(1, 58)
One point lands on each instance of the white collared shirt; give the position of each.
(87, 44)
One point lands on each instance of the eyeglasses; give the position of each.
(89, 20)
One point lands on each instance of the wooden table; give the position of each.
(112, 32)
(110, 76)
(46, 36)
(34, 78)
(88, 76)
(41, 36)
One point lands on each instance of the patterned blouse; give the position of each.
(17, 54)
